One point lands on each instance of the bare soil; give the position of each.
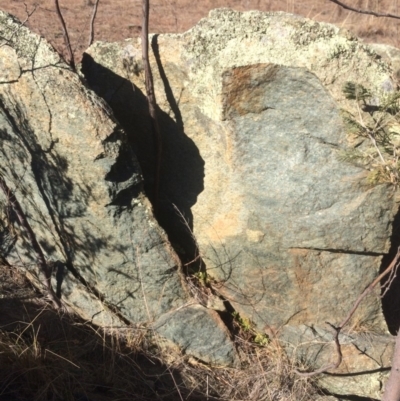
(121, 19)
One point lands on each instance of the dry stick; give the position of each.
(151, 99)
(91, 35)
(361, 11)
(28, 15)
(392, 388)
(337, 329)
(388, 283)
(16, 207)
(66, 36)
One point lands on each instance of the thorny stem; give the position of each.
(44, 268)
(373, 140)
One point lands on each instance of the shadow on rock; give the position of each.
(46, 355)
(182, 167)
(391, 295)
(42, 176)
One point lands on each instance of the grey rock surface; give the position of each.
(73, 171)
(71, 168)
(250, 115)
(366, 359)
(199, 332)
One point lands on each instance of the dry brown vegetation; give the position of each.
(45, 355)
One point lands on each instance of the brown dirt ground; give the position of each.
(116, 20)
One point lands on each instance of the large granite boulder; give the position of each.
(72, 169)
(250, 111)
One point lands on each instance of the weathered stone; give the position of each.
(199, 332)
(250, 115)
(69, 164)
(391, 55)
(366, 359)
(86, 304)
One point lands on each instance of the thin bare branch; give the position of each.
(361, 11)
(44, 268)
(197, 255)
(338, 329)
(28, 15)
(392, 388)
(151, 98)
(66, 36)
(386, 286)
(91, 35)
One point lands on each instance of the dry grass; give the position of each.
(51, 357)
(45, 355)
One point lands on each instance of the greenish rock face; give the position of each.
(314, 348)
(199, 332)
(250, 115)
(80, 186)
(304, 225)
(71, 167)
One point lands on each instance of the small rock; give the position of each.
(199, 332)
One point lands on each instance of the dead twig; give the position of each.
(197, 255)
(28, 15)
(392, 388)
(361, 11)
(388, 283)
(91, 35)
(151, 99)
(71, 61)
(338, 329)
(44, 268)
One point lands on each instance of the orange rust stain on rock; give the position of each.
(244, 88)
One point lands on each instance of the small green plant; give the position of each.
(244, 323)
(261, 339)
(203, 278)
(376, 126)
(247, 326)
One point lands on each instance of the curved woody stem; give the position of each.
(338, 329)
